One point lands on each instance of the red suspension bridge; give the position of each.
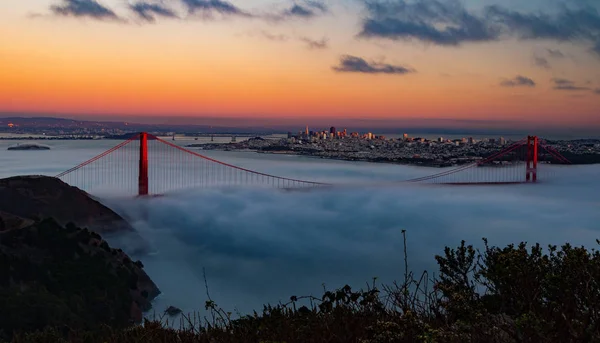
(145, 164)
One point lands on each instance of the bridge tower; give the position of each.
(532, 159)
(143, 171)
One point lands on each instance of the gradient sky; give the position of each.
(535, 61)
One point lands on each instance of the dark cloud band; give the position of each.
(210, 6)
(567, 85)
(518, 81)
(148, 11)
(83, 8)
(449, 23)
(353, 64)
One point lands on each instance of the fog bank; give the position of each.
(260, 246)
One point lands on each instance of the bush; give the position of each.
(512, 294)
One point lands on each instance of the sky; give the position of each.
(438, 60)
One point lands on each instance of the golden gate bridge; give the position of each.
(148, 165)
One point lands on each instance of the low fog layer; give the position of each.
(261, 246)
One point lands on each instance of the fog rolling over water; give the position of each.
(264, 245)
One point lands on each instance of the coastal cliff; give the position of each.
(40, 197)
(53, 272)
(58, 275)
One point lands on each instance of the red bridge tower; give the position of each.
(532, 159)
(143, 172)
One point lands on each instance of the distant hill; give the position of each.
(40, 197)
(28, 123)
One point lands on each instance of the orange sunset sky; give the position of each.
(536, 61)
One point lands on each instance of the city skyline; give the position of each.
(445, 63)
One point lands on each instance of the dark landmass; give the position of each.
(29, 147)
(53, 273)
(88, 128)
(66, 277)
(515, 294)
(39, 197)
(48, 138)
(429, 154)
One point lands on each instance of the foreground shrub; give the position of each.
(512, 294)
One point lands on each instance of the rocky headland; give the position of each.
(40, 197)
(55, 267)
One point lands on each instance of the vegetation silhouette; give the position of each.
(518, 293)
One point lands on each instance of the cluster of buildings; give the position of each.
(333, 134)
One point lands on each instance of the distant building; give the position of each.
(332, 130)
(502, 141)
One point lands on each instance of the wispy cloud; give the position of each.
(518, 81)
(541, 62)
(84, 8)
(597, 91)
(596, 48)
(353, 64)
(274, 37)
(555, 53)
(449, 23)
(306, 9)
(567, 85)
(149, 11)
(208, 7)
(432, 21)
(316, 44)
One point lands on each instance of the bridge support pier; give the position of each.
(143, 171)
(532, 159)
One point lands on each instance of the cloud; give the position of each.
(264, 245)
(148, 11)
(568, 25)
(432, 21)
(208, 7)
(352, 64)
(597, 91)
(596, 48)
(567, 85)
(449, 23)
(306, 9)
(555, 53)
(84, 8)
(260, 245)
(541, 62)
(518, 81)
(300, 11)
(316, 44)
(274, 37)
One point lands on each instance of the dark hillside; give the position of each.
(39, 197)
(68, 277)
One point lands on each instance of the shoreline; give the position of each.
(378, 161)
